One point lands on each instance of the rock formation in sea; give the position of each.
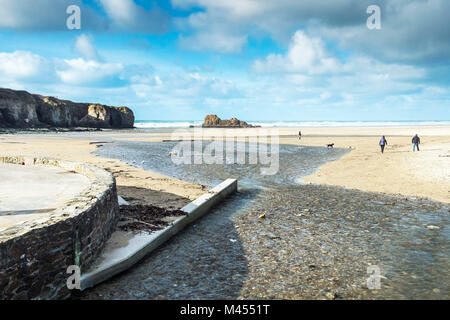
(23, 110)
(213, 121)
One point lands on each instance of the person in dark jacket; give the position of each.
(383, 143)
(416, 142)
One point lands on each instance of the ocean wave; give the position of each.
(300, 124)
(297, 124)
(166, 124)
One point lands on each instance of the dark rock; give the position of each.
(213, 121)
(22, 110)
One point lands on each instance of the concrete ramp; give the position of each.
(124, 249)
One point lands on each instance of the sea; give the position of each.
(149, 124)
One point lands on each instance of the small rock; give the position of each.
(122, 201)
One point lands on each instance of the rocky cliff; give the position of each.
(213, 121)
(20, 109)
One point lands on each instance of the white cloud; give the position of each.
(122, 15)
(189, 86)
(412, 30)
(121, 11)
(278, 19)
(21, 14)
(81, 71)
(84, 45)
(305, 55)
(308, 63)
(214, 41)
(45, 15)
(127, 15)
(22, 65)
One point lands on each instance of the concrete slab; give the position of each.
(31, 192)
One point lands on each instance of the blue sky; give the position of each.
(251, 59)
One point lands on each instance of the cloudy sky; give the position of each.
(253, 59)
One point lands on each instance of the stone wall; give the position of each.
(35, 255)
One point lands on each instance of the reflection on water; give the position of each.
(326, 235)
(294, 163)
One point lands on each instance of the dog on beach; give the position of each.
(330, 145)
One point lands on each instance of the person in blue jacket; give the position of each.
(383, 143)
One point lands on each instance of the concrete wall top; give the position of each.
(100, 182)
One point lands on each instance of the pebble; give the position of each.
(330, 295)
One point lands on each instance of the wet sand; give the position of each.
(306, 247)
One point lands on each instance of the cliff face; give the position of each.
(20, 109)
(213, 121)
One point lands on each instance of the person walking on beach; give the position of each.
(383, 143)
(299, 135)
(416, 142)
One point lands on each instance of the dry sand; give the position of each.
(397, 171)
(134, 184)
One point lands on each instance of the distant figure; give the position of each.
(383, 143)
(330, 145)
(299, 135)
(416, 142)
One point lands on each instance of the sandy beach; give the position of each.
(315, 241)
(398, 171)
